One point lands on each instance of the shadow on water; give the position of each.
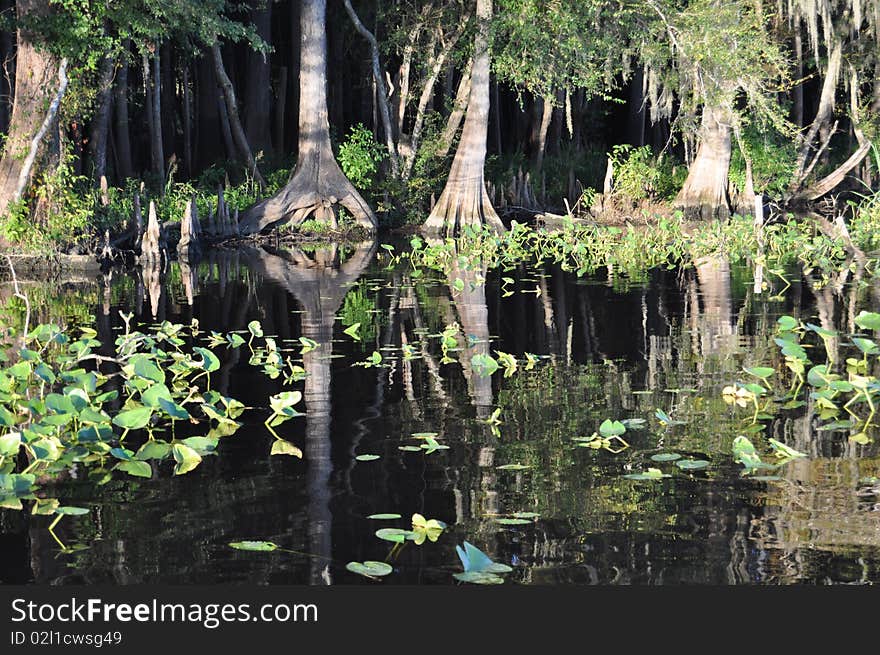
(603, 347)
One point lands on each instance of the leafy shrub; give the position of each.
(773, 163)
(640, 175)
(360, 156)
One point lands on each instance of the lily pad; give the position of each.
(395, 535)
(370, 569)
(384, 517)
(665, 457)
(692, 464)
(367, 458)
(514, 521)
(478, 577)
(255, 546)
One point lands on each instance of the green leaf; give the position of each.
(744, 453)
(868, 320)
(865, 345)
(136, 468)
(478, 577)
(209, 362)
(370, 569)
(284, 400)
(665, 457)
(513, 521)
(254, 546)
(395, 535)
(174, 410)
(781, 450)
(9, 444)
(255, 328)
(145, 367)
(153, 450)
(611, 428)
(367, 458)
(650, 474)
(187, 459)
(484, 365)
(352, 331)
(133, 419)
(202, 445)
(7, 418)
(692, 464)
(762, 372)
(787, 323)
(71, 511)
(154, 394)
(282, 447)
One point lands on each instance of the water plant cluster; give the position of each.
(585, 247)
(843, 389)
(70, 405)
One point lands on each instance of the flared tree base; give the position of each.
(316, 190)
(459, 206)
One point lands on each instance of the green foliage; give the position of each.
(360, 156)
(639, 175)
(66, 204)
(359, 308)
(773, 162)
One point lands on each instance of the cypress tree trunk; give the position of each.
(208, 147)
(122, 138)
(464, 200)
(238, 135)
(100, 126)
(7, 75)
(636, 109)
(317, 184)
(258, 87)
(704, 194)
(35, 85)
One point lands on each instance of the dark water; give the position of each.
(610, 348)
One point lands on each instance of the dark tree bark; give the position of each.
(150, 67)
(317, 184)
(188, 166)
(258, 89)
(99, 129)
(464, 200)
(238, 136)
(122, 138)
(209, 148)
(636, 108)
(35, 85)
(168, 100)
(7, 67)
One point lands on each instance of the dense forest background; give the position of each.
(390, 111)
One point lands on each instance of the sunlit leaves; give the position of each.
(254, 546)
(187, 459)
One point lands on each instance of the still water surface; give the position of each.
(609, 348)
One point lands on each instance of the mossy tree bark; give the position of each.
(35, 86)
(317, 186)
(704, 194)
(464, 200)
